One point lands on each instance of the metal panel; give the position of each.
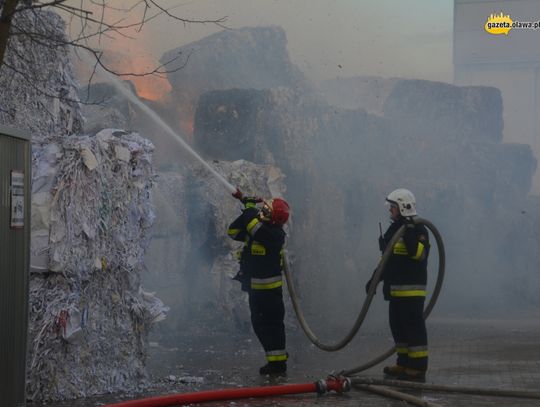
(15, 155)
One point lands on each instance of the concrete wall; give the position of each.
(509, 62)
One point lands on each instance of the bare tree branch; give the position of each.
(37, 5)
(184, 20)
(93, 27)
(8, 10)
(43, 92)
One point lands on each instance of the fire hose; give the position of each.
(367, 302)
(339, 384)
(374, 385)
(371, 292)
(362, 382)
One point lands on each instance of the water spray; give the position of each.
(117, 83)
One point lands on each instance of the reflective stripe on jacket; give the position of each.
(261, 257)
(401, 250)
(405, 274)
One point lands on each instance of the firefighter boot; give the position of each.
(413, 375)
(393, 371)
(274, 368)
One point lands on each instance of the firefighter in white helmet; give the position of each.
(405, 279)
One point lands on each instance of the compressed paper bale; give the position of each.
(122, 153)
(49, 111)
(39, 251)
(41, 205)
(91, 298)
(89, 159)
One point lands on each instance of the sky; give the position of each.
(326, 38)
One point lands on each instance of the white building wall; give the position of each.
(509, 62)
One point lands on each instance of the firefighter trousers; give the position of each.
(267, 314)
(409, 331)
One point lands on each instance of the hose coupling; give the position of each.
(339, 384)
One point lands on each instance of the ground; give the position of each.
(487, 353)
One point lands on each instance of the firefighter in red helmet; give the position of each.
(261, 230)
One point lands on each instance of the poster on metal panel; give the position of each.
(17, 199)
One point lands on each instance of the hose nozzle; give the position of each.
(238, 194)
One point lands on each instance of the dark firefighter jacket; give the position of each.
(260, 261)
(405, 274)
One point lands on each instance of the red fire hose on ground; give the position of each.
(338, 384)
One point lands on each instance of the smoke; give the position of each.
(441, 141)
(344, 140)
(325, 40)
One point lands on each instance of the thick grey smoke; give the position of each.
(441, 141)
(344, 144)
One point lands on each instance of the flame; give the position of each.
(131, 51)
(153, 87)
(187, 126)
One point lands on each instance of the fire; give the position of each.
(153, 86)
(187, 126)
(130, 52)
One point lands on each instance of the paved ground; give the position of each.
(498, 354)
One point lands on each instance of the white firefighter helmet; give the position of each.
(405, 201)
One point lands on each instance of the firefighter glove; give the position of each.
(368, 285)
(409, 223)
(243, 279)
(251, 201)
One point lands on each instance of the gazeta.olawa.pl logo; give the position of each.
(498, 24)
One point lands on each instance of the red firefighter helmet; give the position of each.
(275, 211)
